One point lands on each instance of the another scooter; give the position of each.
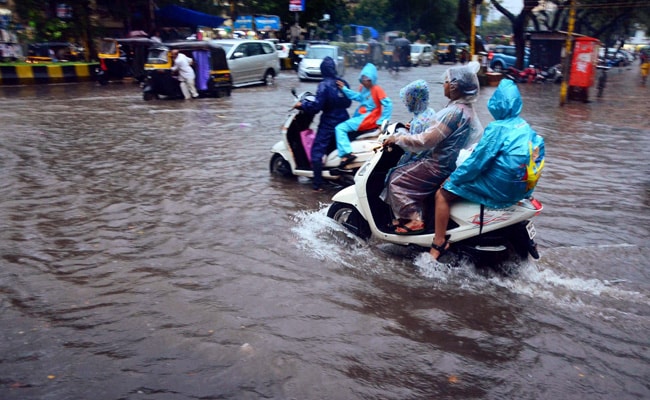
(291, 155)
(501, 238)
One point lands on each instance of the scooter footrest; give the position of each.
(492, 249)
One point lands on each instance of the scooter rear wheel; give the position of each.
(279, 166)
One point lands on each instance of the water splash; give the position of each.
(321, 236)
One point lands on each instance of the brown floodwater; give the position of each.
(147, 253)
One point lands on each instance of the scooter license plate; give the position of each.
(531, 229)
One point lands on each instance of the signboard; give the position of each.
(297, 5)
(63, 11)
(267, 23)
(262, 22)
(243, 22)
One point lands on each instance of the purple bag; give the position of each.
(307, 137)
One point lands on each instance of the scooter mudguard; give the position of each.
(347, 195)
(279, 147)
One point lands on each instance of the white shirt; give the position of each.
(182, 64)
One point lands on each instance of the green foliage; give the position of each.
(365, 34)
(346, 32)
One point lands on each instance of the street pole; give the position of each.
(567, 53)
(472, 30)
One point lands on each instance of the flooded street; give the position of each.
(147, 253)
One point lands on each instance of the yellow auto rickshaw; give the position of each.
(213, 76)
(122, 58)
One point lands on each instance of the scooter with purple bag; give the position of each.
(291, 156)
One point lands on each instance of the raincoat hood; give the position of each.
(328, 67)
(506, 101)
(370, 72)
(464, 78)
(415, 96)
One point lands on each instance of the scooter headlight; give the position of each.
(364, 167)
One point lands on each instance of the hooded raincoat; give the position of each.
(375, 107)
(506, 163)
(415, 97)
(334, 104)
(455, 127)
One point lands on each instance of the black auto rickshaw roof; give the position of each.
(51, 44)
(135, 40)
(218, 62)
(189, 45)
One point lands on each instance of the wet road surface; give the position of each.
(147, 253)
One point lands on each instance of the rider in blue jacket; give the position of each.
(503, 168)
(333, 103)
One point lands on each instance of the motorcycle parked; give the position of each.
(290, 157)
(494, 237)
(527, 75)
(551, 74)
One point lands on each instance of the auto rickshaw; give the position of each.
(361, 54)
(54, 51)
(122, 58)
(213, 76)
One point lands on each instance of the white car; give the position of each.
(421, 54)
(283, 49)
(250, 61)
(309, 67)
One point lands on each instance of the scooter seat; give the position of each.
(363, 134)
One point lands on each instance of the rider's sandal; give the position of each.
(442, 249)
(406, 230)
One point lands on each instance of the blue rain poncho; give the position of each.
(506, 163)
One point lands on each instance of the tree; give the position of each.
(519, 23)
(601, 19)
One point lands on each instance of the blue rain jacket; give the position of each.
(368, 107)
(329, 99)
(507, 161)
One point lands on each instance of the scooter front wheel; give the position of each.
(350, 218)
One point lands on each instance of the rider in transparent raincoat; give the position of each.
(456, 127)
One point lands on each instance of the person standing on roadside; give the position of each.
(183, 65)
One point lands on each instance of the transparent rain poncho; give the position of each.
(456, 127)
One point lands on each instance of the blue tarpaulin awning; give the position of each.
(185, 16)
(358, 30)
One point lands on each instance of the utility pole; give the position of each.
(567, 52)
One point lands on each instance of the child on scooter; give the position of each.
(375, 107)
(415, 97)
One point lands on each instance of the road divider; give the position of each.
(51, 73)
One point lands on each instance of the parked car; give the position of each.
(309, 67)
(250, 61)
(284, 49)
(502, 57)
(421, 54)
(612, 57)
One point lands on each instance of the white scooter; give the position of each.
(501, 238)
(289, 158)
